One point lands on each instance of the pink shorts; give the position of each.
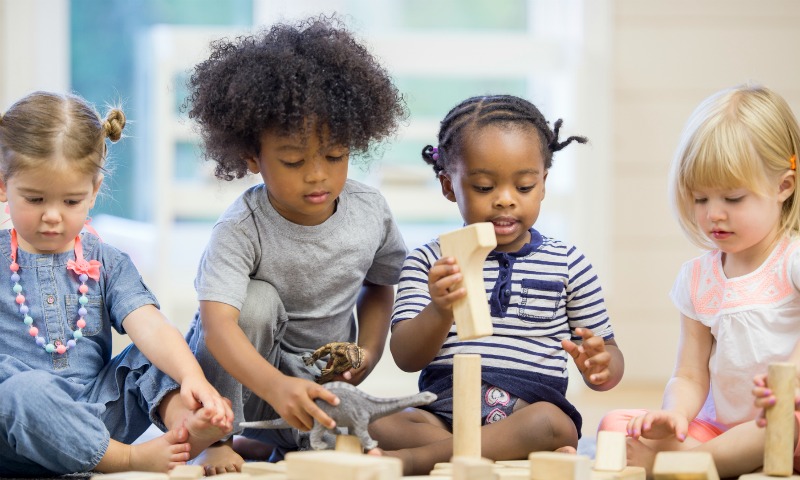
(700, 430)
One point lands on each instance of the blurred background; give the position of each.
(624, 73)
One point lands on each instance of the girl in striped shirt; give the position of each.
(492, 159)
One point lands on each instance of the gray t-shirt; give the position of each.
(317, 270)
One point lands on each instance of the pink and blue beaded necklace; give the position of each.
(84, 269)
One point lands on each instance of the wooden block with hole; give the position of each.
(187, 472)
(611, 453)
(684, 466)
(316, 465)
(470, 246)
(559, 466)
(134, 475)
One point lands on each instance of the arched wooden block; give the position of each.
(469, 246)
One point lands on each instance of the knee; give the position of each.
(617, 420)
(262, 306)
(547, 426)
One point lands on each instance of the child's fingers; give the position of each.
(313, 409)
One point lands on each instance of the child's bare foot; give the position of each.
(219, 458)
(640, 455)
(567, 449)
(157, 455)
(202, 433)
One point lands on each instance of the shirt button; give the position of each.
(508, 292)
(51, 300)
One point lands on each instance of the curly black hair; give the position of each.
(477, 112)
(282, 78)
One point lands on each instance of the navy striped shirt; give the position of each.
(537, 297)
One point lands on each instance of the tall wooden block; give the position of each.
(779, 445)
(467, 406)
(559, 466)
(469, 246)
(611, 453)
(684, 466)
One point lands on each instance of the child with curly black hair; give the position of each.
(290, 259)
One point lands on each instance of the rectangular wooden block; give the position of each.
(316, 465)
(779, 444)
(131, 476)
(559, 466)
(627, 473)
(263, 468)
(465, 468)
(187, 472)
(611, 453)
(684, 466)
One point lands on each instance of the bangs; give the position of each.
(723, 157)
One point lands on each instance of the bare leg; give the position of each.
(538, 427)
(736, 452)
(202, 432)
(220, 458)
(157, 455)
(251, 449)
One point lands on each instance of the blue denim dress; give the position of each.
(58, 411)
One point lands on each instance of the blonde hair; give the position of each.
(741, 137)
(43, 125)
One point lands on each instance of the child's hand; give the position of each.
(657, 425)
(590, 356)
(196, 392)
(294, 401)
(355, 376)
(764, 398)
(442, 278)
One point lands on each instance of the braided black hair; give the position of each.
(284, 77)
(478, 112)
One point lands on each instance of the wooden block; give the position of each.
(187, 472)
(466, 406)
(510, 473)
(466, 468)
(526, 464)
(627, 473)
(779, 445)
(470, 246)
(559, 466)
(611, 453)
(684, 466)
(316, 465)
(764, 476)
(131, 476)
(233, 476)
(263, 468)
(348, 443)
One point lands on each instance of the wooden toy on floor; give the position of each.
(469, 246)
(466, 406)
(684, 466)
(559, 466)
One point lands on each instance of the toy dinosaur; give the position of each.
(356, 410)
(343, 357)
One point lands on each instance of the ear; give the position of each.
(544, 183)
(252, 164)
(787, 185)
(447, 187)
(3, 192)
(96, 189)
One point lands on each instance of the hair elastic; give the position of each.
(793, 162)
(435, 153)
